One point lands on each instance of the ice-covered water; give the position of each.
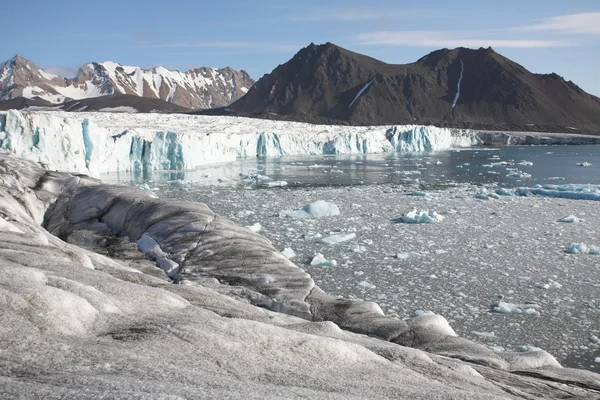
(498, 269)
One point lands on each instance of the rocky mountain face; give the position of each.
(196, 89)
(460, 88)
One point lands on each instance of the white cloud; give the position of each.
(349, 14)
(61, 71)
(448, 39)
(585, 23)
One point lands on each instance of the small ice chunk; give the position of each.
(274, 184)
(515, 173)
(338, 238)
(288, 253)
(320, 261)
(483, 194)
(484, 334)
(551, 284)
(317, 209)
(357, 248)
(584, 164)
(147, 245)
(525, 163)
(421, 216)
(421, 313)
(406, 256)
(244, 213)
(254, 227)
(569, 218)
(526, 348)
(517, 309)
(366, 285)
(582, 248)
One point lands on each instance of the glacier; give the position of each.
(98, 143)
(86, 314)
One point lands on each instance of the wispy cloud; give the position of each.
(584, 23)
(61, 71)
(348, 14)
(448, 39)
(265, 47)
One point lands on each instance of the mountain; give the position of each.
(196, 88)
(462, 88)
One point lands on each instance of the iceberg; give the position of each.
(572, 191)
(582, 248)
(421, 217)
(98, 143)
(317, 209)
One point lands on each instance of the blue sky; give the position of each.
(544, 36)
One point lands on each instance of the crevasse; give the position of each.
(97, 143)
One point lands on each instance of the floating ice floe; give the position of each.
(515, 309)
(584, 164)
(288, 253)
(518, 174)
(484, 194)
(573, 191)
(421, 216)
(244, 213)
(357, 248)
(367, 285)
(484, 334)
(408, 255)
(262, 180)
(317, 209)
(551, 284)
(525, 163)
(254, 227)
(319, 260)
(582, 248)
(504, 192)
(525, 348)
(421, 313)
(569, 219)
(338, 238)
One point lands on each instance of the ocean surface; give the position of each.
(479, 166)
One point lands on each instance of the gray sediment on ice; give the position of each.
(85, 312)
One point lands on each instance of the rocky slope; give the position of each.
(196, 88)
(459, 88)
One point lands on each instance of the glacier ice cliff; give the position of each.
(85, 314)
(96, 143)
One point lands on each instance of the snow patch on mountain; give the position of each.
(196, 88)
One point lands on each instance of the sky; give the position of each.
(543, 36)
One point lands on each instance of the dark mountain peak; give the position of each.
(460, 87)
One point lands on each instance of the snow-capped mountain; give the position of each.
(197, 88)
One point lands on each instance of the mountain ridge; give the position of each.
(327, 83)
(196, 88)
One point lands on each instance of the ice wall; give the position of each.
(96, 143)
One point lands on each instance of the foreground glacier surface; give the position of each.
(86, 314)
